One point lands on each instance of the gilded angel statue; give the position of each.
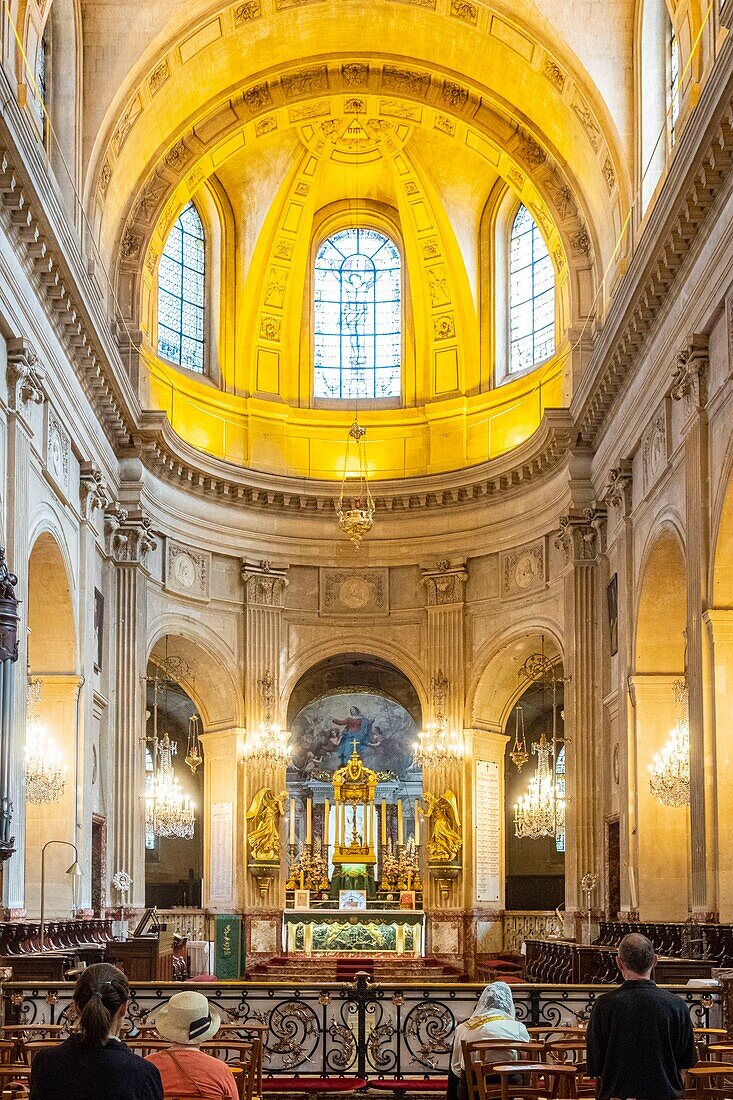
(446, 836)
(263, 817)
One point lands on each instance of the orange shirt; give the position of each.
(189, 1070)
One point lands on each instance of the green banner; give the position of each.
(229, 947)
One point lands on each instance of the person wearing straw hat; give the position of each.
(187, 1021)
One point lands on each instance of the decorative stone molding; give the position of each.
(618, 490)
(578, 535)
(58, 450)
(187, 571)
(25, 374)
(114, 536)
(354, 591)
(444, 583)
(690, 378)
(523, 570)
(656, 446)
(137, 539)
(93, 489)
(264, 584)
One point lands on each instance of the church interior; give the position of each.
(366, 513)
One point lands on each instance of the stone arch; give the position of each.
(494, 686)
(214, 686)
(662, 832)
(382, 651)
(52, 660)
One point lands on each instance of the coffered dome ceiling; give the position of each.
(284, 119)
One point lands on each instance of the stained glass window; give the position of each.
(181, 276)
(531, 296)
(674, 82)
(357, 348)
(560, 793)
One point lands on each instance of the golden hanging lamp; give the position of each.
(355, 508)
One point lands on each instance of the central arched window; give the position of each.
(531, 295)
(357, 322)
(181, 292)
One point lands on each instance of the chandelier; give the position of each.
(541, 811)
(669, 773)
(435, 746)
(169, 812)
(269, 744)
(355, 509)
(45, 771)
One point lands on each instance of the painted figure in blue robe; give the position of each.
(357, 729)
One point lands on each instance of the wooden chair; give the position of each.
(719, 1052)
(531, 1080)
(145, 1046)
(493, 1052)
(32, 1047)
(8, 1048)
(711, 1080)
(14, 1082)
(247, 1055)
(566, 1051)
(706, 1036)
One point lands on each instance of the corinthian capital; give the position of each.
(580, 535)
(138, 538)
(25, 374)
(93, 489)
(264, 583)
(690, 377)
(618, 488)
(444, 582)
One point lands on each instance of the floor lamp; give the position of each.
(74, 871)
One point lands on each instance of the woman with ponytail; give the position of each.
(94, 1063)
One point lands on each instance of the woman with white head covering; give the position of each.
(494, 1017)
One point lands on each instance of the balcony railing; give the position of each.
(356, 1029)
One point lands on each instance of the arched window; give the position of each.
(181, 290)
(531, 295)
(560, 793)
(357, 323)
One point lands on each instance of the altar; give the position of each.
(333, 931)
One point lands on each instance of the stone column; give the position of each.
(689, 386)
(580, 537)
(720, 635)
(25, 425)
(619, 500)
(444, 584)
(130, 540)
(264, 588)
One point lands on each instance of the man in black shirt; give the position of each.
(640, 1037)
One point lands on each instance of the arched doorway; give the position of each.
(347, 703)
(660, 890)
(53, 730)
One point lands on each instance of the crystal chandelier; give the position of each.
(669, 774)
(45, 771)
(435, 746)
(540, 812)
(355, 508)
(269, 744)
(169, 812)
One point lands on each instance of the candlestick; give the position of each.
(292, 822)
(384, 822)
(400, 824)
(417, 823)
(326, 812)
(308, 821)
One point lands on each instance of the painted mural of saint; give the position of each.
(356, 732)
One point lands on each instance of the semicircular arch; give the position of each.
(495, 684)
(213, 682)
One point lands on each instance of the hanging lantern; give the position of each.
(194, 755)
(355, 509)
(519, 755)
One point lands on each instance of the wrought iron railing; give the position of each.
(353, 1029)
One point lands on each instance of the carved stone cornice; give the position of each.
(25, 374)
(580, 535)
(690, 377)
(169, 457)
(700, 168)
(264, 584)
(93, 489)
(618, 490)
(444, 583)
